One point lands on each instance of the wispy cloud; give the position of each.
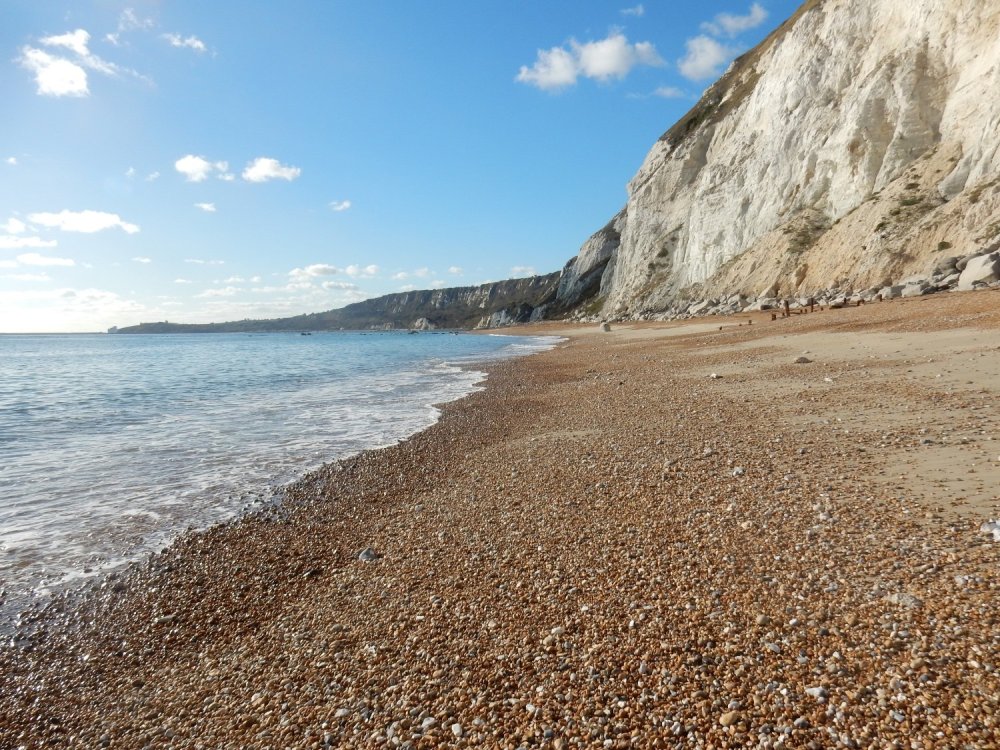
(340, 205)
(705, 58)
(669, 92)
(601, 60)
(87, 222)
(365, 272)
(455, 270)
(198, 168)
(339, 285)
(12, 160)
(129, 20)
(183, 281)
(28, 277)
(207, 207)
(200, 262)
(264, 168)
(731, 25)
(16, 243)
(142, 259)
(60, 76)
(190, 42)
(13, 226)
(518, 271)
(637, 11)
(312, 271)
(34, 259)
(226, 291)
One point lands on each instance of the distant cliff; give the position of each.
(491, 305)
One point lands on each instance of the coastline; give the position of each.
(604, 545)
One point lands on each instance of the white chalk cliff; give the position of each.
(860, 142)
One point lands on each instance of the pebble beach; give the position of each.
(725, 533)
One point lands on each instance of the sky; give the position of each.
(197, 162)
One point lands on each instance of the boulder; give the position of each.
(916, 290)
(980, 269)
(891, 292)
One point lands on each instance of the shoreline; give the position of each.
(28, 593)
(572, 557)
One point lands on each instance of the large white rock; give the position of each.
(983, 268)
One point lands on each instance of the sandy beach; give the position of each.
(666, 535)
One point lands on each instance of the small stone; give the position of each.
(801, 723)
(715, 376)
(729, 718)
(763, 620)
(456, 729)
(739, 471)
(368, 555)
(803, 361)
(819, 693)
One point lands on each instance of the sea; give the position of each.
(112, 445)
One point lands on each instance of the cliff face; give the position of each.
(859, 143)
(485, 306)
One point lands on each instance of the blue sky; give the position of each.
(194, 162)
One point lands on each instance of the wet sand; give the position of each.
(608, 547)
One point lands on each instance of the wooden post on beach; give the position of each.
(788, 313)
(774, 316)
(812, 304)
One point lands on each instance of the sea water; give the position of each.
(110, 445)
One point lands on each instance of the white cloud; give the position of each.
(198, 168)
(54, 76)
(364, 273)
(705, 58)
(638, 11)
(455, 270)
(34, 259)
(207, 207)
(191, 42)
(226, 291)
(264, 168)
(311, 272)
(15, 243)
(401, 276)
(183, 281)
(13, 226)
(129, 21)
(669, 92)
(339, 285)
(522, 271)
(28, 277)
(59, 76)
(12, 160)
(75, 41)
(340, 205)
(407, 288)
(729, 24)
(553, 69)
(200, 262)
(141, 259)
(422, 272)
(438, 284)
(130, 172)
(8, 264)
(601, 60)
(152, 176)
(82, 221)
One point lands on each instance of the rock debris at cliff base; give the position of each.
(605, 548)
